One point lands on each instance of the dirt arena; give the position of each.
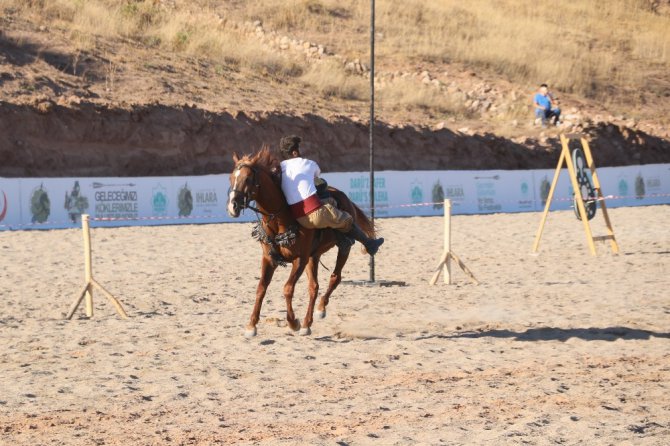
(553, 348)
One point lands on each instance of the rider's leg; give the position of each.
(328, 216)
(371, 244)
(344, 222)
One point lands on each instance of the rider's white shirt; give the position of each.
(297, 179)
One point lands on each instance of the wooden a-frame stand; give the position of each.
(567, 159)
(448, 255)
(91, 283)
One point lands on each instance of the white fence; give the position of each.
(48, 203)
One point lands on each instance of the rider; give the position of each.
(298, 185)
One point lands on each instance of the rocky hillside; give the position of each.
(133, 88)
(95, 140)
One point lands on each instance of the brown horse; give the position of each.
(257, 178)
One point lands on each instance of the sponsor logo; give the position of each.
(639, 187)
(75, 203)
(416, 193)
(3, 212)
(455, 192)
(159, 200)
(116, 202)
(206, 198)
(205, 201)
(623, 187)
(40, 205)
(653, 183)
(438, 195)
(544, 190)
(486, 192)
(185, 201)
(359, 192)
(526, 202)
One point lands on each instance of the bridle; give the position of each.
(249, 197)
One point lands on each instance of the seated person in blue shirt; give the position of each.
(544, 109)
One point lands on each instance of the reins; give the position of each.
(259, 232)
(247, 199)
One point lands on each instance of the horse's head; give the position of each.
(243, 186)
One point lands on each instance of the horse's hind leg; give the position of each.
(335, 279)
(313, 286)
(289, 288)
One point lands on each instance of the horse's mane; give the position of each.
(264, 160)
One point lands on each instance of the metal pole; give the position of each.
(372, 123)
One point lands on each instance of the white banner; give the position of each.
(481, 192)
(46, 203)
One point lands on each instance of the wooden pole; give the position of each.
(440, 266)
(113, 299)
(88, 269)
(448, 255)
(76, 303)
(552, 189)
(465, 269)
(87, 291)
(447, 240)
(601, 198)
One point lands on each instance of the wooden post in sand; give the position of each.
(87, 291)
(448, 254)
(447, 241)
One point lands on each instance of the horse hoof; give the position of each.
(305, 331)
(322, 314)
(250, 332)
(295, 326)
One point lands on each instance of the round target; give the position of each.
(586, 188)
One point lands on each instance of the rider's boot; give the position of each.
(371, 244)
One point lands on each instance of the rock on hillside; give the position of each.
(96, 140)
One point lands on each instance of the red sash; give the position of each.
(306, 206)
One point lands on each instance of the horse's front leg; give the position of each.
(289, 288)
(313, 286)
(335, 279)
(267, 270)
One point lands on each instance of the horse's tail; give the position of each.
(357, 213)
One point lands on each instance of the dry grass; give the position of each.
(607, 51)
(330, 79)
(583, 47)
(406, 94)
(196, 31)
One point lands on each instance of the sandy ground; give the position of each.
(554, 348)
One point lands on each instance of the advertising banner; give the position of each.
(48, 203)
(10, 204)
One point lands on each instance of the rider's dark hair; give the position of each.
(544, 85)
(288, 144)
